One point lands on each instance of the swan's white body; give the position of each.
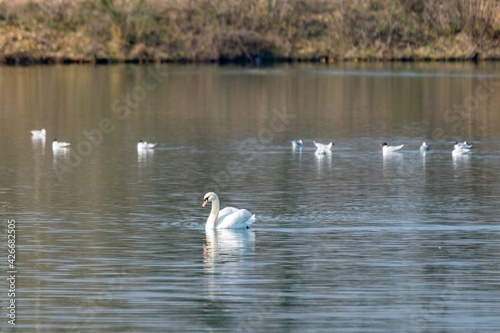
(39, 133)
(322, 149)
(424, 147)
(56, 144)
(389, 149)
(227, 218)
(297, 143)
(145, 145)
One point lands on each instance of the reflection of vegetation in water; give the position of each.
(248, 30)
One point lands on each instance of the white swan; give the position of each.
(389, 149)
(39, 133)
(56, 144)
(322, 149)
(424, 147)
(145, 145)
(297, 143)
(227, 218)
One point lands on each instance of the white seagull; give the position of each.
(461, 148)
(462, 145)
(145, 145)
(297, 143)
(322, 148)
(390, 149)
(39, 133)
(424, 147)
(56, 144)
(227, 218)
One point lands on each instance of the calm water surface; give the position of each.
(110, 240)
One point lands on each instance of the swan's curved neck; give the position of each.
(214, 214)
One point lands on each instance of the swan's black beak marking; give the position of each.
(204, 202)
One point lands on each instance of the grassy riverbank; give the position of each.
(56, 31)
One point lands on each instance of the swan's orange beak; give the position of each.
(204, 203)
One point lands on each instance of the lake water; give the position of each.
(112, 240)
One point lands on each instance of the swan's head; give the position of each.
(209, 197)
(383, 144)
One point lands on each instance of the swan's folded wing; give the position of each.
(241, 218)
(226, 211)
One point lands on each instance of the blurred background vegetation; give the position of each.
(51, 31)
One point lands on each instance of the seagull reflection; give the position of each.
(460, 161)
(62, 161)
(57, 152)
(392, 165)
(321, 159)
(424, 155)
(38, 144)
(297, 151)
(144, 156)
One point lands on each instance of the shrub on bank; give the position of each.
(248, 30)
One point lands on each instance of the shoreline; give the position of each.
(12, 61)
(37, 32)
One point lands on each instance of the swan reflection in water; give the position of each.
(226, 253)
(224, 246)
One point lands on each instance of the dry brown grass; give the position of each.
(246, 30)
